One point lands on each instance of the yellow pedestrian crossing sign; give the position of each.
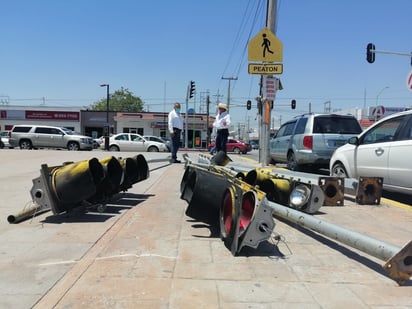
(265, 47)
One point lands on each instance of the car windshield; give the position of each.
(336, 125)
(154, 138)
(69, 132)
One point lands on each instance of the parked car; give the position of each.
(134, 142)
(158, 139)
(99, 142)
(254, 144)
(382, 150)
(4, 141)
(308, 141)
(235, 146)
(39, 136)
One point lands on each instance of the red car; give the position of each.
(233, 145)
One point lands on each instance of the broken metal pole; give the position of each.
(398, 260)
(28, 212)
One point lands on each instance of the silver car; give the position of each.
(4, 143)
(382, 150)
(308, 141)
(134, 142)
(158, 139)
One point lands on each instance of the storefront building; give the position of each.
(51, 116)
(95, 124)
(152, 123)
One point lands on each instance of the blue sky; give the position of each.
(63, 50)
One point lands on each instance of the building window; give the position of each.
(134, 130)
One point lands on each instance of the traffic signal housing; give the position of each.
(192, 89)
(89, 183)
(248, 104)
(370, 53)
(293, 104)
(245, 220)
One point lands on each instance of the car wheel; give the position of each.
(236, 150)
(25, 144)
(153, 149)
(292, 164)
(338, 170)
(73, 146)
(114, 148)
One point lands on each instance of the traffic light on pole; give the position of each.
(192, 89)
(370, 53)
(248, 104)
(293, 104)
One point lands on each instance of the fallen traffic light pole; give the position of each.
(89, 184)
(398, 261)
(245, 214)
(365, 190)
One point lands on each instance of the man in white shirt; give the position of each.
(222, 124)
(175, 126)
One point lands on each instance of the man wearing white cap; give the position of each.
(221, 124)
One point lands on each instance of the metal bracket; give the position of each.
(399, 267)
(261, 226)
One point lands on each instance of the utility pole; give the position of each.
(202, 99)
(228, 89)
(264, 136)
(186, 117)
(107, 125)
(218, 96)
(207, 121)
(327, 107)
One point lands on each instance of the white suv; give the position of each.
(34, 136)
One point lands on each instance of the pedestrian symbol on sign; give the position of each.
(265, 47)
(266, 44)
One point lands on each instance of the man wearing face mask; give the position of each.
(175, 128)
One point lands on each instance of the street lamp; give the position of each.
(107, 125)
(376, 103)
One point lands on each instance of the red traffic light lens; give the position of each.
(228, 208)
(246, 213)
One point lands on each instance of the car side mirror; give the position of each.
(354, 140)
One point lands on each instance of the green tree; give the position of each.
(121, 100)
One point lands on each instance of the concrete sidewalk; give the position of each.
(145, 252)
(157, 257)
